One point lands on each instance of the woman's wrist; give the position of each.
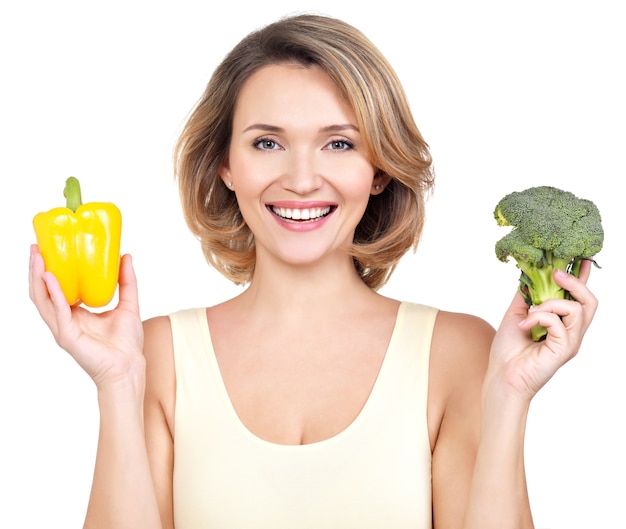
(124, 389)
(500, 400)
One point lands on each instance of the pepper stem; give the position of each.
(72, 193)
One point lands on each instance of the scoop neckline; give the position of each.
(236, 421)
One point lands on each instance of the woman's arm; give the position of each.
(159, 405)
(478, 457)
(459, 361)
(108, 346)
(122, 494)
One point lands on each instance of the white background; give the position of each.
(508, 95)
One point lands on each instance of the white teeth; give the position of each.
(301, 214)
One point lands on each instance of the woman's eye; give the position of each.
(266, 144)
(340, 145)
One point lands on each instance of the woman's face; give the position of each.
(297, 164)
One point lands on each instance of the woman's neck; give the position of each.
(296, 290)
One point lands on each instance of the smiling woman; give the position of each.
(309, 399)
(370, 94)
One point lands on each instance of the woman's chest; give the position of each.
(299, 388)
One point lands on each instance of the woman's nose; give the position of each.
(302, 173)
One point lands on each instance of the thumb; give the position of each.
(518, 309)
(129, 295)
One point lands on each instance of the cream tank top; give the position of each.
(374, 474)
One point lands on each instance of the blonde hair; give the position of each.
(393, 221)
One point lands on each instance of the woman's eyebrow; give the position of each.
(273, 128)
(264, 126)
(338, 128)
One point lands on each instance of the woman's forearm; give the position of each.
(122, 494)
(498, 495)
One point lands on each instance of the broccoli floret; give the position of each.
(552, 229)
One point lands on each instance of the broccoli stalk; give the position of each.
(537, 278)
(552, 229)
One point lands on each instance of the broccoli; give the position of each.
(552, 229)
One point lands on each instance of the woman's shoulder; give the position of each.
(460, 351)
(157, 333)
(460, 339)
(460, 324)
(160, 331)
(452, 328)
(157, 346)
(161, 324)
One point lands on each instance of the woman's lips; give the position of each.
(301, 217)
(301, 214)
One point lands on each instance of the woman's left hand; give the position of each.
(525, 365)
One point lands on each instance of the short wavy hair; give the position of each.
(393, 220)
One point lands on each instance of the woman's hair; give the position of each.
(393, 220)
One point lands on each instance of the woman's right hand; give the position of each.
(107, 345)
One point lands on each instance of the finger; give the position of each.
(35, 269)
(54, 291)
(544, 318)
(585, 270)
(38, 289)
(567, 311)
(48, 296)
(62, 311)
(558, 338)
(129, 297)
(518, 307)
(578, 289)
(516, 312)
(566, 322)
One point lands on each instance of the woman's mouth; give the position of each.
(301, 214)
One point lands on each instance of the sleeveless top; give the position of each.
(374, 474)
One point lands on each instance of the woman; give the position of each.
(309, 400)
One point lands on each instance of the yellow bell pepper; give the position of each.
(80, 245)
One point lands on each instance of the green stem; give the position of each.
(72, 193)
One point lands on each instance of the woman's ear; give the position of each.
(225, 174)
(380, 181)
